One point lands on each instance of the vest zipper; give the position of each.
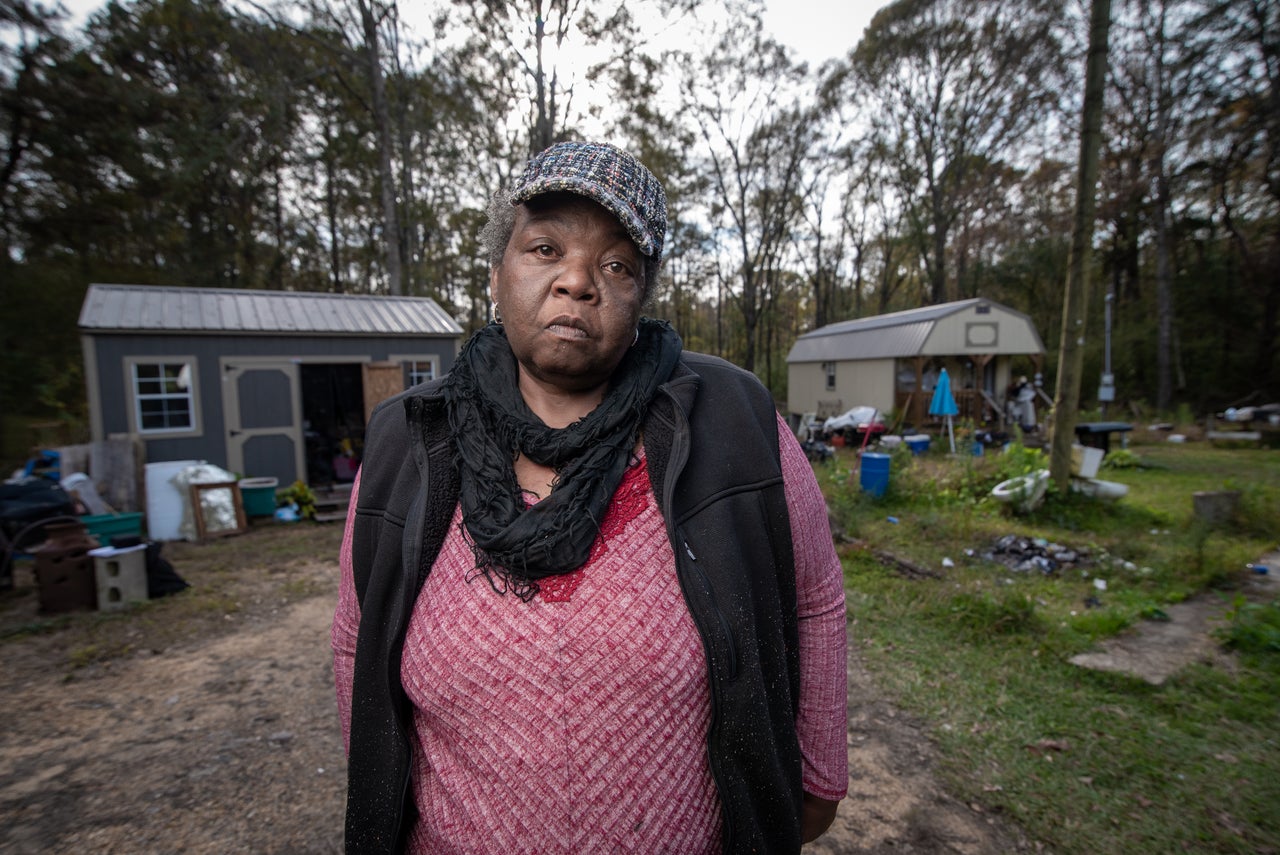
(677, 458)
(731, 649)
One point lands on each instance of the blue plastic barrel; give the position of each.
(874, 476)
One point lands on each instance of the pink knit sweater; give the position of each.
(577, 722)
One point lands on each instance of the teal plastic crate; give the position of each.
(106, 526)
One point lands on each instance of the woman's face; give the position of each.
(569, 290)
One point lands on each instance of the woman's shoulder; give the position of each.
(707, 365)
(728, 384)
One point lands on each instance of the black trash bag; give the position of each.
(162, 579)
(31, 500)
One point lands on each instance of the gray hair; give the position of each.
(501, 223)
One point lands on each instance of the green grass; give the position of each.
(1084, 762)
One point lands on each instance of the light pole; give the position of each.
(1107, 388)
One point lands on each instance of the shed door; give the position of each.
(262, 406)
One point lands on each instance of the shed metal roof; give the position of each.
(893, 335)
(153, 308)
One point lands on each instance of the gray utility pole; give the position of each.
(1107, 388)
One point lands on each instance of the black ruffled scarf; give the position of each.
(515, 545)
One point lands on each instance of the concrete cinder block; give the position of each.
(121, 578)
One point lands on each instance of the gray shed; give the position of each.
(890, 361)
(262, 383)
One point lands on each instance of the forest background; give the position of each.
(334, 145)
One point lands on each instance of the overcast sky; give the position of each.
(817, 30)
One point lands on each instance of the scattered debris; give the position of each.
(1028, 555)
(817, 450)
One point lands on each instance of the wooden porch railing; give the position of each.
(974, 405)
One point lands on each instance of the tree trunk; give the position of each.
(750, 318)
(1076, 296)
(336, 285)
(938, 271)
(386, 141)
(1164, 270)
(544, 95)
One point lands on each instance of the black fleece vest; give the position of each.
(711, 445)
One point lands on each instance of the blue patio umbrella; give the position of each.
(944, 404)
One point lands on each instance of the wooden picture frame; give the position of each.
(211, 513)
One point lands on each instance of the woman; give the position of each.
(589, 599)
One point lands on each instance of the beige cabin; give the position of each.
(892, 361)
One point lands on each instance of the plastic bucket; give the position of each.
(874, 473)
(259, 495)
(919, 443)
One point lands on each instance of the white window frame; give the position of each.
(413, 364)
(829, 369)
(187, 371)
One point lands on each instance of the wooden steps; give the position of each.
(332, 502)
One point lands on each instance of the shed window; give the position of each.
(420, 370)
(829, 368)
(162, 396)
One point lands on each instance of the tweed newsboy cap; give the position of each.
(608, 175)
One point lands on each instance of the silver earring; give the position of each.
(497, 315)
(637, 338)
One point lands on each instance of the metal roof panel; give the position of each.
(152, 308)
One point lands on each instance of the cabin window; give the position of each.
(829, 369)
(164, 396)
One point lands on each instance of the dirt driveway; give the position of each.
(209, 725)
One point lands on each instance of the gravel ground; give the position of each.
(206, 722)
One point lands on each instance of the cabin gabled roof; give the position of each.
(909, 333)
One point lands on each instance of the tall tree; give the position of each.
(160, 144)
(744, 99)
(537, 53)
(373, 15)
(361, 66)
(1076, 294)
(949, 84)
(31, 42)
(1241, 140)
